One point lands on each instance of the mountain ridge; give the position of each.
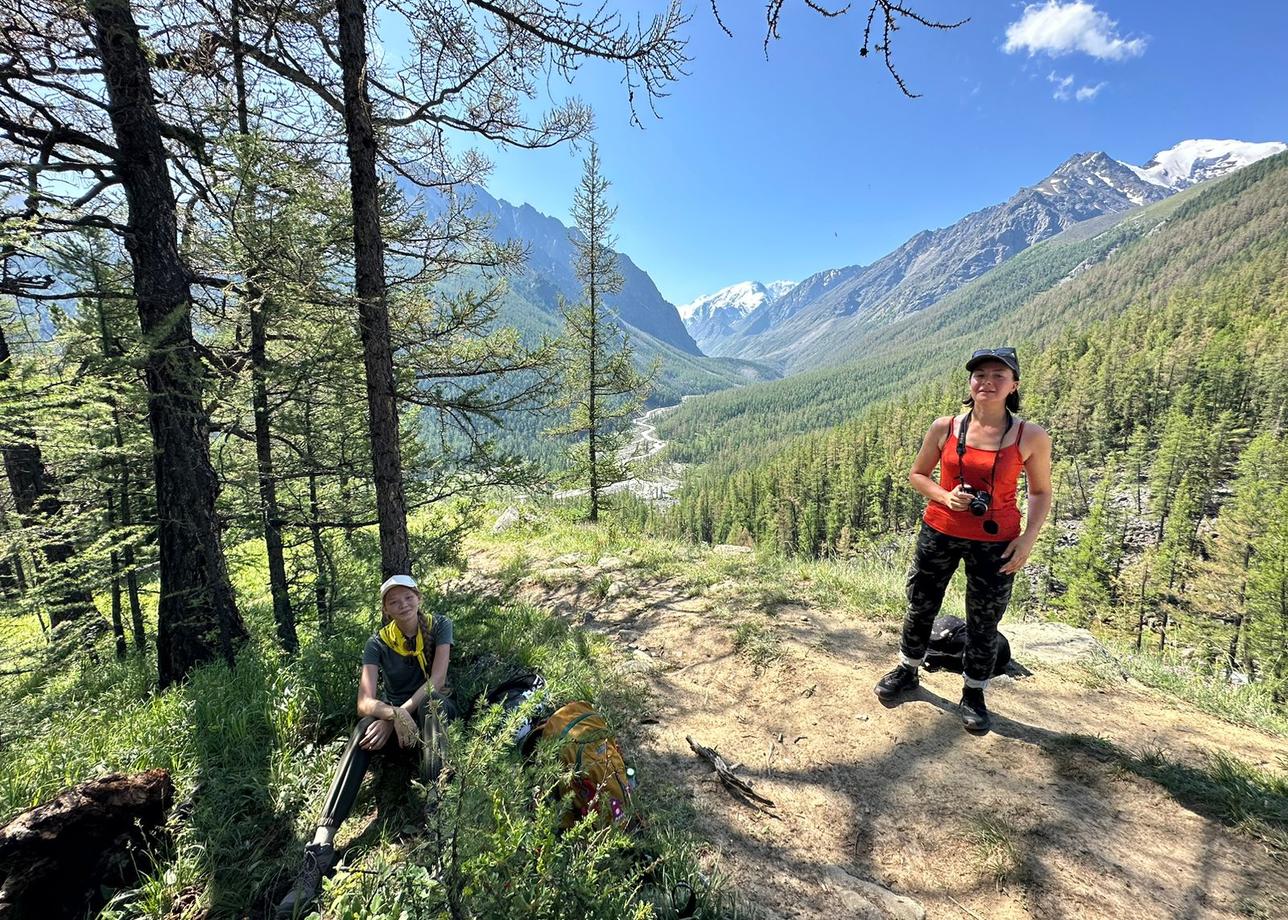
(838, 306)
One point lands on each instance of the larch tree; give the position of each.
(36, 496)
(601, 387)
(84, 145)
(469, 71)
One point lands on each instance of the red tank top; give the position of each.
(978, 471)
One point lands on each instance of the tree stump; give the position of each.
(55, 858)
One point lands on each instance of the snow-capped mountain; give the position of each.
(710, 318)
(1194, 161)
(1098, 182)
(827, 313)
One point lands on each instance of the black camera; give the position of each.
(980, 499)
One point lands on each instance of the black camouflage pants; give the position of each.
(356, 759)
(987, 593)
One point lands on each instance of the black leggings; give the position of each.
(356, 759)
(988, 591)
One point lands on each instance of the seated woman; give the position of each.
(408, 655)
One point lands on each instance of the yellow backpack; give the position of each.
(601, 780)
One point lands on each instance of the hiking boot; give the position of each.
(319, 858)
(973, 711)
(900, 680)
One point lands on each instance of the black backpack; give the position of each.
(513, 693)
(947, 649)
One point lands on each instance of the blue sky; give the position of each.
(774, 169)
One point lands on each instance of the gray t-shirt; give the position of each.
(400, 675)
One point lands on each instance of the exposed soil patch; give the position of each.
(1022, 822)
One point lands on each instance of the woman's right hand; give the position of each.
(376, 735)
(957, 499)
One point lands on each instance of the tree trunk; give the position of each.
(197, 617)
(373, 308)
(283, 615)
(13, 580)
(321, 581)
(131, 575)
(118, 628)
(1140, 611)
(8, 580)
(259, 305)
(592, 411)
(36, 498)
(112, 349)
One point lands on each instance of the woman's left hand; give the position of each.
(405, 727)
(1016, 554)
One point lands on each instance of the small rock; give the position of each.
(509, 517)
(640, 662)
(565, 574)
(568, 559)
(729, 549)
(616, 589)
(867, 899)
(610, 563)
(1053, 643)
(861, 718)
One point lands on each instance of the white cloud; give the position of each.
(1064, 90)
(1062, 85)
(1056, 29)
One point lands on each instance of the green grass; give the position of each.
(1251, 705)
(996, 846)
(757, 640)
(870, 586)
(251, 751)
(1251, 800)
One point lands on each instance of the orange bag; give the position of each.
(601, 780)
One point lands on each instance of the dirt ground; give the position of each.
(897, 811)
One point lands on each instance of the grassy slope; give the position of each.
(748, 592)
(252, 750)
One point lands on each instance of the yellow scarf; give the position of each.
(394, 638)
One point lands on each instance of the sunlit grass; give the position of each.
(251, 751)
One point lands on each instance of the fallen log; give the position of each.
(56, 858)
(739, 787)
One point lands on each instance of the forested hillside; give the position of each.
(1092, 271)
(1168, 416)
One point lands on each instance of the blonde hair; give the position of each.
(420, 617)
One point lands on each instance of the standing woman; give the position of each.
(972, 515)
(404, 670)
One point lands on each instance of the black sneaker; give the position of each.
(973, 711)
(319, 858)
(900, 680)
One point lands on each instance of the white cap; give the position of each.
(394, 581)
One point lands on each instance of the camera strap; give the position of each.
(992, 476)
